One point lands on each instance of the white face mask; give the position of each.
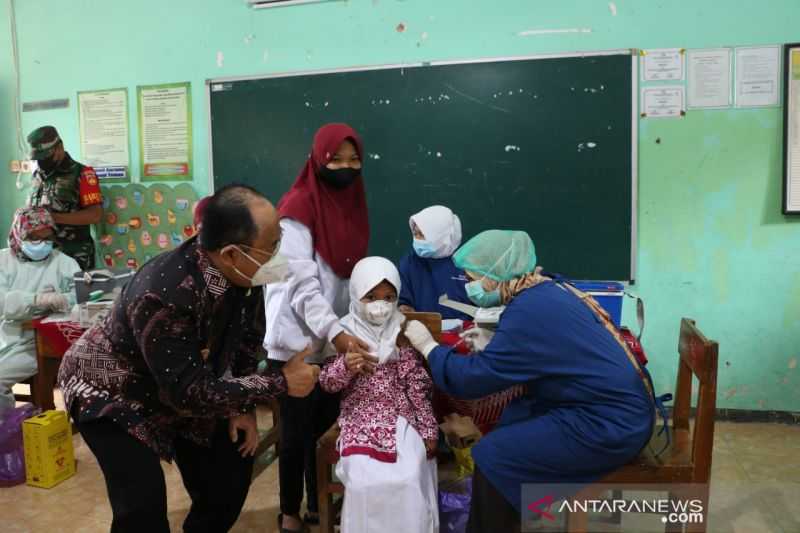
(276, 270)
(379, 312)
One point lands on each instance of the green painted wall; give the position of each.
(713, 245)
(10, 197)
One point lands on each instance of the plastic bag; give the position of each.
(12, 452)
(454, 503)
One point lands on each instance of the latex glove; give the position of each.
(420, 338)
(54, 301)
(477, 339)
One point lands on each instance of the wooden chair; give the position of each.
(688, 459)
(43, 383)
(268, 439)
(327, 455)
(272, 436)
(48, 360)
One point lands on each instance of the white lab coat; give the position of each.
(20, 281)
(305, 309)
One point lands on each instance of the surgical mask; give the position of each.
(340, 178)
(480, 296)
(276, 270)
(37, 250)
(379, 312)
(424, 248)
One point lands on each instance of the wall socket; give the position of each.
(16, 166)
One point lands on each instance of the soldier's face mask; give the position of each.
(47, 165)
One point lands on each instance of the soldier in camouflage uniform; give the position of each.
(70, 191)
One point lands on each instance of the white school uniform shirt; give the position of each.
(305, 309)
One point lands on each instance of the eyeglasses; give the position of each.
(259, 250)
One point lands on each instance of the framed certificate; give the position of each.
(791, 130)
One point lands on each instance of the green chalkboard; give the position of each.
(542, 145)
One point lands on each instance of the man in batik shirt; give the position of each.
(171, 372)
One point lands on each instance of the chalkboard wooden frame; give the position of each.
(217, 83)
(789, 125)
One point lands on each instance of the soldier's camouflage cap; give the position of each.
(43, 142)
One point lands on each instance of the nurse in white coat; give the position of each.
(35, 280)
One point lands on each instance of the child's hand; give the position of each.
(360, 363)
(344, 342)
(430, 447)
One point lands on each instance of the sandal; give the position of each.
(303, 529)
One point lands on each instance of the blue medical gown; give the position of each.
(425, 280)
(586, 411)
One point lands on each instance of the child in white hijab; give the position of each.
(388, 430)
(428, 271)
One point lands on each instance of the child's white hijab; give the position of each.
(367, 274)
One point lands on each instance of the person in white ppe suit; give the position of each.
(35, 280)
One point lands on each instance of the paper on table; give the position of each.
(58, 317)
(757, 72)
(449, 324)
(709, 75)
(664, 64)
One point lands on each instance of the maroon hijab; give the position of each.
(337, 218)
(199, 209)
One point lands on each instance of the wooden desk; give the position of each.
(48, 360)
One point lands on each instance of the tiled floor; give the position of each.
(755, 489)
(79, 504)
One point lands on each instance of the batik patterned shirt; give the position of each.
(176, 355)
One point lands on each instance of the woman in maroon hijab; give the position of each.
(199, 209)
(325, 233)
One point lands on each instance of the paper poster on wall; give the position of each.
(104, 135)
(663, 101)
(709, 77)
(757, 76)
(664, 64)
(791, 126)
(165, 131)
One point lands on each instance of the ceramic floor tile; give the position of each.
(755, 488)
(737, 505)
